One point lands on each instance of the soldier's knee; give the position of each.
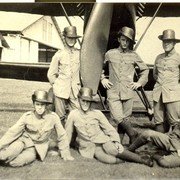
(98, 151)
(164, 163)
(105, 158)
(169, 161)
(4, 155)
(17, 163)
(146, 134)
(20, 161)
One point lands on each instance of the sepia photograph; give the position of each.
(89, 90)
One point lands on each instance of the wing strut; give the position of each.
(143, 95)
(67, 17)
(137, 45)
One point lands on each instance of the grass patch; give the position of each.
(18, 93)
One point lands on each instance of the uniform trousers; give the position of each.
(107, 152)
(61, 104)
(163, 141)
(166, 111)
(17, 155)
(119, 109)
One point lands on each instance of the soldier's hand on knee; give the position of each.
(119, 147)
(106, 83)
(68, 158)
(135, 85)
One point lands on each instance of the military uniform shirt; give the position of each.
(167, 75)
(63, 72)
(36, 132)
(122, 69)
(92, 128)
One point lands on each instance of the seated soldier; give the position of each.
(29, 137)
(169, 142)
(96, 137)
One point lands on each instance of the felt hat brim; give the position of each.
(162, 39)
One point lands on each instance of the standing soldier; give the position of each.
(166, 93)
(120, 85)
(63, 74)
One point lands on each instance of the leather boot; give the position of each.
(138, 142)
(160, 128)
(126, 125)
(121, 132)
(133, 157)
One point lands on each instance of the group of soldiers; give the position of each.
(99, 137)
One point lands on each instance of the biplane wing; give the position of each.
(50, 9)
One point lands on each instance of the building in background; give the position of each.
(32, 38)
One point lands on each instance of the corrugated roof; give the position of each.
(12, 21)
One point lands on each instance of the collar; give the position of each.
(168, 54)
(123, 51)
(40, 117)
(70, 48)
(85, 113)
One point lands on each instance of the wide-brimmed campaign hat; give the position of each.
(86, 94)
(70, 32)
(128, 32)
(168, 34)
(41, 96)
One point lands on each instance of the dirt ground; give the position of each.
(15, 99)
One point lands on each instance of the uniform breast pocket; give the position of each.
(64, 66)
(94, 127)
(46, 132)
(30, 128)
(129, 64)
(79, 126)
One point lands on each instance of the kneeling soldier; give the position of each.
(29, 137)
(96, 137)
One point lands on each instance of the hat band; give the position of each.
(161, 37)
(86, 98)
(42, 100)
